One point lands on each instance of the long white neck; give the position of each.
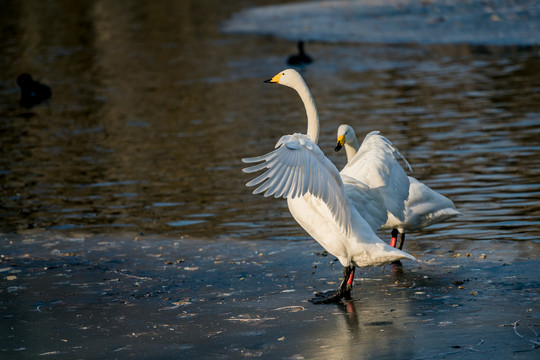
(311, 110)
(351, 148)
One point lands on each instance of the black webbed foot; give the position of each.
(325, 293)
(330, 297)
(343, 292)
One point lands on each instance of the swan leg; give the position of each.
(401, 240)
(343, 292)
(393, 241)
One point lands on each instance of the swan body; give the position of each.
(299, 171)
(367, 201)
(423, 207)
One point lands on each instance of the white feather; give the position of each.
(296, 159)
(376, 165)
(424, 207)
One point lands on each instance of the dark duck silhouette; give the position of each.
(32, 92)
(301, 58)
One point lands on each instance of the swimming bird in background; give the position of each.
(299, 171)
(423, 208)
(32, 92)
(301, 58)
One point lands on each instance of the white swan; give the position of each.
(375, 182)
(298, 171)
(424, 206)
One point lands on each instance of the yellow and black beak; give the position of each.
(340, 142)
(274, 80)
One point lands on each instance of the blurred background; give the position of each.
(154, 104)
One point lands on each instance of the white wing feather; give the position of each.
(298, 167)
(368, 202)
(376, 165)
(425, 207)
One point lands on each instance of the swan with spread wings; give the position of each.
(317, 198)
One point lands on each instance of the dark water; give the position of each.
(152, 112)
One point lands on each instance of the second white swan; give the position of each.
(423, 208)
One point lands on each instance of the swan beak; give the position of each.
(340, 142)
(274, 80)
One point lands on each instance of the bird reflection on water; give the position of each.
(368, 324)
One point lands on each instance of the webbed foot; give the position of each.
(343, 292)
(330, 297)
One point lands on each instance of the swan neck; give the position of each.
(351, 149)
(311, 111)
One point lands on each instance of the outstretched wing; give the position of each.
(298, 167)
(376, 165)
(368, 202)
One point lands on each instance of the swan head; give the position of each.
(288, 77)
(345, 135)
